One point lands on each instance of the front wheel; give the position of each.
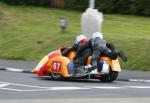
(109, 77)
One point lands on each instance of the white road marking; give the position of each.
(24, 85)
(139, 87)
(105, 87)
(18, 90)
(14, 69)
(66, 88)
(54, 89)
(139, 80)
(3, 86)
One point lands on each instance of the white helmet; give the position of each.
(80, 38)
(97, 34)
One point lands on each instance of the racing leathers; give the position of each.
(98, 47)
(73, 48)
(80, 59)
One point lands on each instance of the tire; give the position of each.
(109, 77)
(56, 76)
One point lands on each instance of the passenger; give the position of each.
(80, 40)
(80, 60)
(98, 47)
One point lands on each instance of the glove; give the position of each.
(75, 46)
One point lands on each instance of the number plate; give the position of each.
(56, 66)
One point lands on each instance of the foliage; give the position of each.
(28, 2)
(136, 7)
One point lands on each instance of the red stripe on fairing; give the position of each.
(44, 70)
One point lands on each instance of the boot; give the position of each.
(80, 71)
(122, 56)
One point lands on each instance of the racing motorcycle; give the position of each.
(59, 67)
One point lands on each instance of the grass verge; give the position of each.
(28, 33)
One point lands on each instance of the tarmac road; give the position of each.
(23, 87)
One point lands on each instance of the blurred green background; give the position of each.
(29, 32)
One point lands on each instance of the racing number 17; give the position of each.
(56, 66)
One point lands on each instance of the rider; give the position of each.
(98, 47)
(80, 40)
(82, 56)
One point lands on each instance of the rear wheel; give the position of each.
(109, 77)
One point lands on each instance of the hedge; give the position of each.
(137, 7)
(29, 2)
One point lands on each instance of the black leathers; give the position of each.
(97, 48)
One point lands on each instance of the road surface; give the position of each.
(26, 87)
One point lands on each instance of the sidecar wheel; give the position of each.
(56, 76)
(109, 77)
